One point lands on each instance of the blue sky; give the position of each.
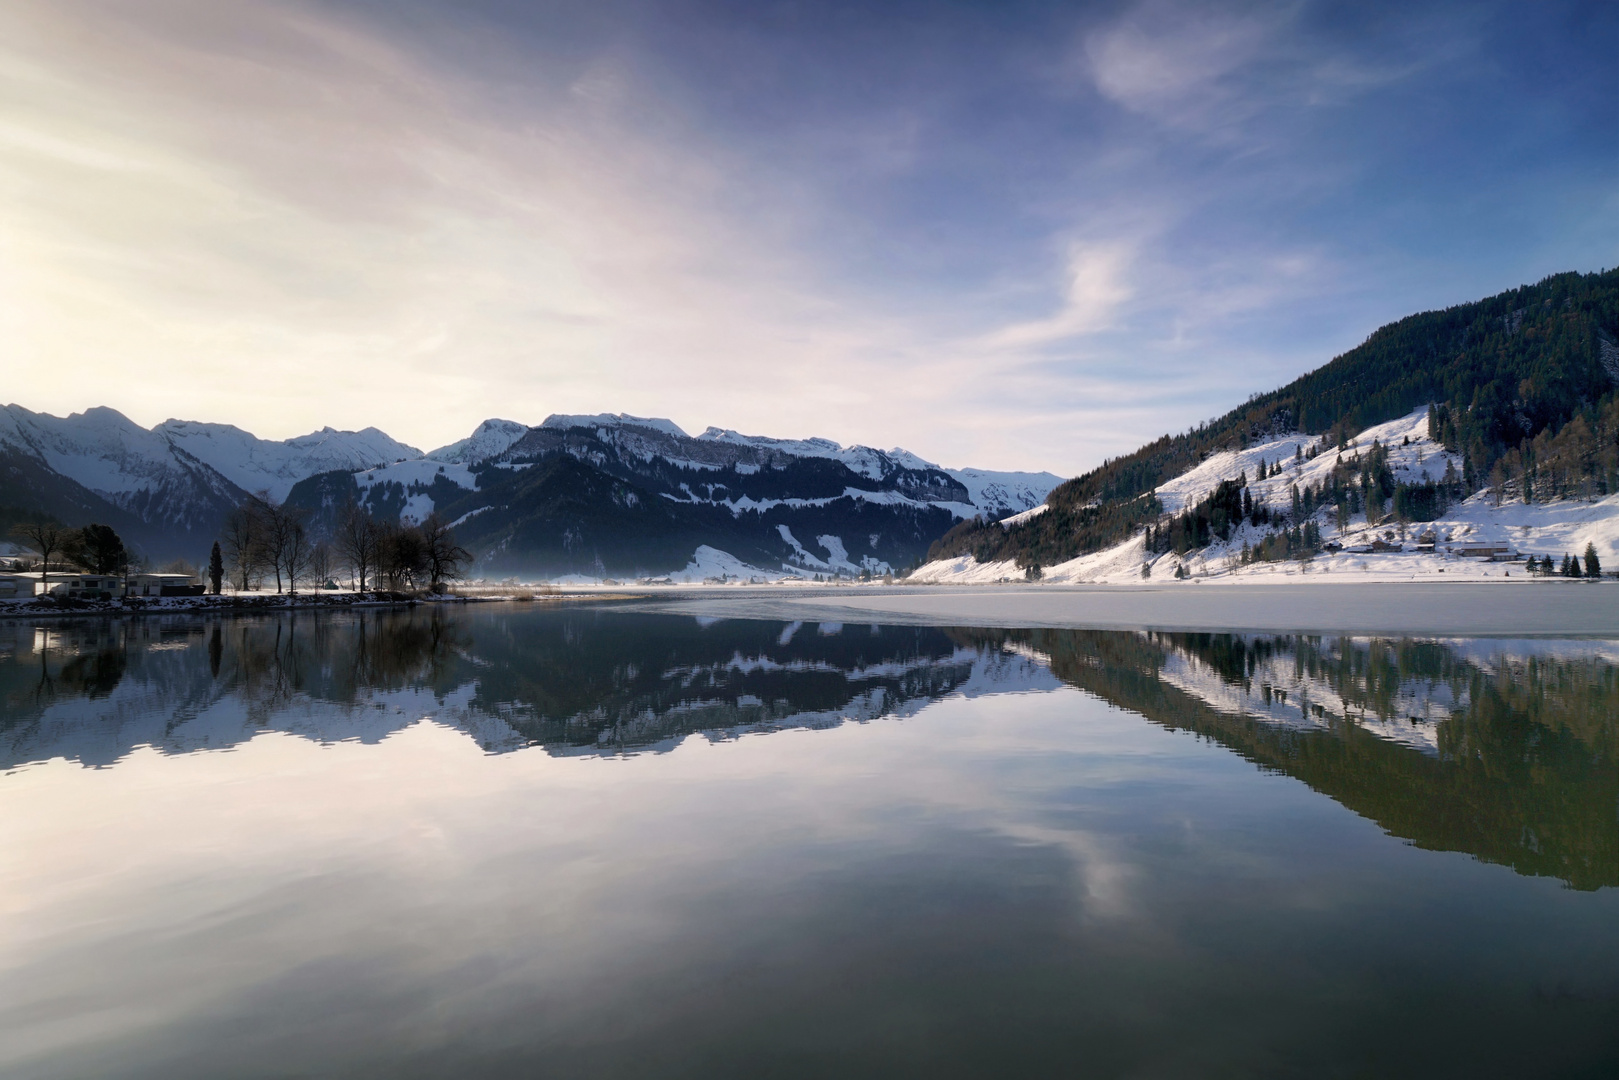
(1007, 235)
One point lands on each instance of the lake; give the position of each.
(513, 840)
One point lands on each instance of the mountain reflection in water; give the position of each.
(1505, 750)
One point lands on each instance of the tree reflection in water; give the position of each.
(1508, 751)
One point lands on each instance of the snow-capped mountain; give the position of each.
(993, 494)
(255, 464)
(99, 465)
(618, 495)
(598, 494)
(165, 489)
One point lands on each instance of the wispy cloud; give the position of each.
(1174, 61)
(1098, 284)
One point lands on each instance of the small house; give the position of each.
(1490, 550)
(1426, 541)
(1380, 545)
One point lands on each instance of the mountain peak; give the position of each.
(490, 439)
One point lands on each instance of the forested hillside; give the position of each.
(1522, 384)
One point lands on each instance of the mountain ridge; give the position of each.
(168, 488)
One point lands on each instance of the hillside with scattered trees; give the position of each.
(1522, 388)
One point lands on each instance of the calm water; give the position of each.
(504, 841)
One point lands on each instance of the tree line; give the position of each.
(263, 539)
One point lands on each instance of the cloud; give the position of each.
(1175, 62)
(1097, 286)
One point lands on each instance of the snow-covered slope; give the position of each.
(1556, 528)
(1413, 457)
(255, 464)
(133, 469)
(101, 448)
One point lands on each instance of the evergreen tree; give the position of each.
(99, 550)
(1593, 565)
(216, 569)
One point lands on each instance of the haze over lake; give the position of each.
(504, 840)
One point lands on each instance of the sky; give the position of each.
(1007, 235)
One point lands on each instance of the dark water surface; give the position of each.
(511, 841)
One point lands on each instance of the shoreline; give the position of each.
(44, 608)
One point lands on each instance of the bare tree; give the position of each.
(320, 564)
(444, 557)
(402, 555)
(293, 546)
(47, 538)
(285, 543)
(244, 539)
(357, 540)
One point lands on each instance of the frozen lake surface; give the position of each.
(505, 840)
(1420, 607)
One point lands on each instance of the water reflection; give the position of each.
(1505, 750)
(570, 680)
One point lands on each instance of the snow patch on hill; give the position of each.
(1027, 515)
(421, 472)
(1413, 457)
(712, 564)
(966, 570)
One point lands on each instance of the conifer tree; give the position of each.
(1593, 565)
